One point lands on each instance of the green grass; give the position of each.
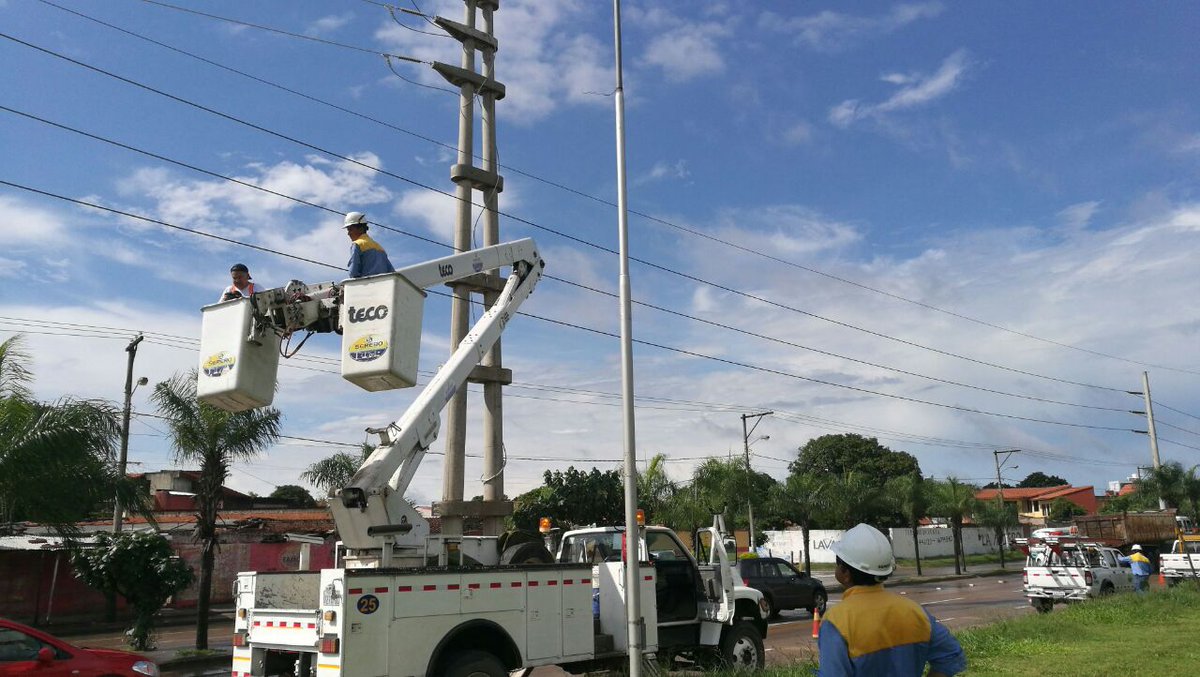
(1125, 634)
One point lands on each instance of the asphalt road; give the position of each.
(958, 604)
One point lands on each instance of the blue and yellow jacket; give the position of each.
(1139, 564)
(875, 632)
(368, 258)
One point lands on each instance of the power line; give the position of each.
(562, 280)
(562, 234)
(1178, 444)
(1157, 403)
(696, 233)
(300, 36)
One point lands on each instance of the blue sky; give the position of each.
(849, 208)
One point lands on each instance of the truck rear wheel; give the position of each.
(1042, 605)
(476, 664)
(742, 648)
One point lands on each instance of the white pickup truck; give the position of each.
(1061, 570)
(1183, 561)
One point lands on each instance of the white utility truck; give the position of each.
(404, 602)
(1182, 561)
(1064, 569)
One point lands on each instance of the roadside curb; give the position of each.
(169, 620)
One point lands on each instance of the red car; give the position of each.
(26, 651)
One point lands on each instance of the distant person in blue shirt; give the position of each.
(366, 256)
(1139, 566)
(876, 632)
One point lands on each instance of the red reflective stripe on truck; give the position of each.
(551, 582)
(515, 584)
(495, 585)
(381, 589)
(568, 581)
(429, 588)
(533, 584)
(452, 586)
(355, 591)
(404, 588)
(472, 586)
(649, 578)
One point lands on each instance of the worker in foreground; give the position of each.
(876, 632)
(366, 256)
(1139, 566)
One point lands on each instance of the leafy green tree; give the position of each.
(1039, 479)
(954, 500)
(214, 439)
(874, 463)
(1132, 502)
(911, 497)
(333, 473)
(1191, 489)
(840, 454)
(1062, 510)
(295, 495)
(139, 566)
(999, 517)
(47, 447)
(802, 500)
(573, 498)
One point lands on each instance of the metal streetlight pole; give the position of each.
(124, 457)
(746, 443)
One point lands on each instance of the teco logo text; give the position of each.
(366, 314)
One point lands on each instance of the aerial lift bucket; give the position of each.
(381, 331)
(235, 373)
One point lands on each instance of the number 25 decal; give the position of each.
(368, 604)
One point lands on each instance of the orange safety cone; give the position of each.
(1162, 580)
(816, 623)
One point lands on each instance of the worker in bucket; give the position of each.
(1139, 566)
(874, 631)
(242, 287)
(366, 256)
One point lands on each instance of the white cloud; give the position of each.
(16, 217)
(663, 171)
(833, 31)
(688, 51)
(1078, 216)
(915, 90)
(798, 133)
(329, 24)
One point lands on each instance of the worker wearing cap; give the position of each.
(1139, 565)
(366, 256)
(242, 287)
(874, 631)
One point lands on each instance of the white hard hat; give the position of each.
(865, 548)
(355, 219)
(1136, 548)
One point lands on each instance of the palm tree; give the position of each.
(803, 499)
(655, 488)
(1166, 483)
(955, 500)
(333, 473)
(999, 517)
(201, 433)
(853, 498)
(47, 447)
(1191, 488)
(910, 494)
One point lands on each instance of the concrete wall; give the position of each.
(935, 542)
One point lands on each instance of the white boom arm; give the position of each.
(372, 513)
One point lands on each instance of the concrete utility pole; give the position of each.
(1162, 505)
(633, 579)
(746, 442)
(123, 459)
(467, 179)
(999, 481)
